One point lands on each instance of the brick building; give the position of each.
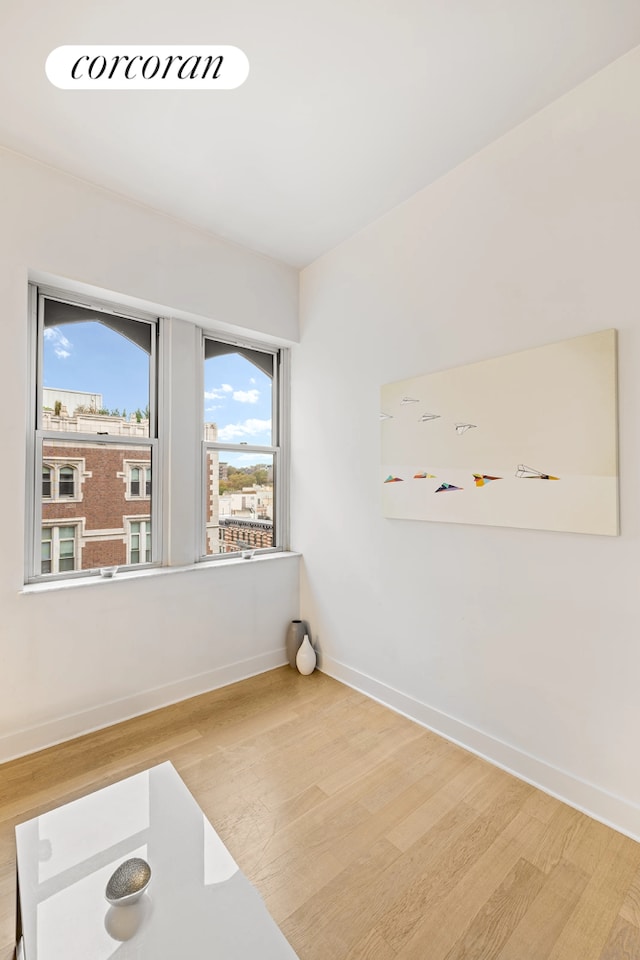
(96, 505)
(242, 533)
(96, 498)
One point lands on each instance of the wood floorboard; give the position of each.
(369, 837)
(630, 910)
(587, 932)
(492, 926)
(623, 943)
(441, 859)
(442, 926)
(544, 920)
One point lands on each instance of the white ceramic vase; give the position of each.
(306, 657)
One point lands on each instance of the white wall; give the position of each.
(77, 658)
(523, 645)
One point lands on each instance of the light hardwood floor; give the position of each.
(369, 837)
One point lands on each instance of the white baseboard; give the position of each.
(616, 812)
(31, 739)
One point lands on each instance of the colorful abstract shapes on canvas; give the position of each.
(463, 427)
(482, 479)
(392, 479)
(424, 476)
(528, 473)
(445, 487)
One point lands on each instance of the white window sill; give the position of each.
(45, 586)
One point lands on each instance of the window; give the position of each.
(58, 549)
(95, 436)
(242, 449)
(66, 483)
(95, 457)
(139, 481)
(134, 488)
(139, 541)
(60, 482)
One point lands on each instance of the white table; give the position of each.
(198, 904)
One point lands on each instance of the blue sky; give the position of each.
(237, 396)
(94, 359)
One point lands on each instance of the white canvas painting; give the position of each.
(527, 440)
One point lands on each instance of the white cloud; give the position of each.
(218, 392)
(252, 380)
(250, 428)
(61, 346)
(246, 396)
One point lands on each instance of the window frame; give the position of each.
(46, 467)
(37, 435)
(144, 521)
(55, 526)
(162, 514)
(56, 465)
(145, 479)
(279, 448)
(66, 469)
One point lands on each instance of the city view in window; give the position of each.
(96, 437)
(94, 446)
(239, 487)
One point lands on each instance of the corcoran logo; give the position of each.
(129, 67)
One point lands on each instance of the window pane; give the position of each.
(96, 372)
(135, 482)
(66, 487)
(94, 527)
(240, 501)
(135, 541)
(57, 549)
(46, 481)
(46, 544)
(238, 392)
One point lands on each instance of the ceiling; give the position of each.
(350, 107)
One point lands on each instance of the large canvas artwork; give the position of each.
(526, 440)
